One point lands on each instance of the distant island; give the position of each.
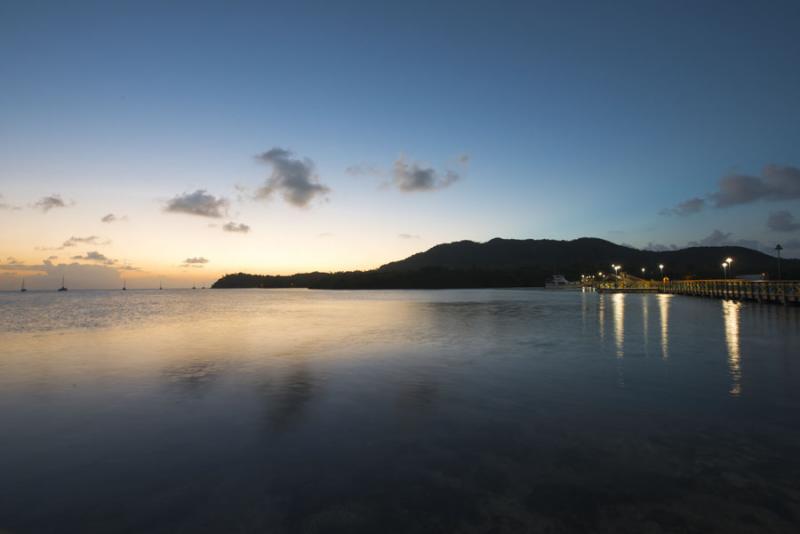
(524, 263)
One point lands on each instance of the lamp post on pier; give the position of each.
(778, 249)
(725, 269)
(729, 261)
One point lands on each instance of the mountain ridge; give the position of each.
(503, 262)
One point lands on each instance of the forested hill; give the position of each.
(525, 263)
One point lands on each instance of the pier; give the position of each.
(780, 292)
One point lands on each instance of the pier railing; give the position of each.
(787, 292)
(759, 290)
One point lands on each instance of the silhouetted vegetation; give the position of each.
(523, 263)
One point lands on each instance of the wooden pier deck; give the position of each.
(786, 292)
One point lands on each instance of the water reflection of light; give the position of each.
(584, 304)
(730, 314)
(618, 301)
(601, 316)
(645, 320)
(663, 312)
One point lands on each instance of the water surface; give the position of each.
(397, 411)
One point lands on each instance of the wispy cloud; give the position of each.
(658, 247)
(89, 240)
(294, 178)
(240, 228)
(199, 203)
(776, 183)
(414, 177)
(411, 177)
(782, 221)
(197, 261)
(687, 207)
(6, 206)
(95, 256)
(110, 218)
(719, 238)
(364, 169)
(408, 236)
(50, 202)
(714, 239)
(47, 274)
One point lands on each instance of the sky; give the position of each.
(178, 141)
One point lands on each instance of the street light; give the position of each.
(725, 269)
(729, 261)
(778, 249)
(661, 268)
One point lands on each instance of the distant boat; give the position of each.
(194, 287)
(124, 285)
(558, 281)
(160, 287)
(23, 289)
(63, 287)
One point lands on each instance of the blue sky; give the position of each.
(577, 119)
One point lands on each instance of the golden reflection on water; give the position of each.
(618, 303)
(663, 312)
(731, 312)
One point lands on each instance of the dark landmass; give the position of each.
(524, 263)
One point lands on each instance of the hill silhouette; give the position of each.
(525, 263)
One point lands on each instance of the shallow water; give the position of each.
(397, 411)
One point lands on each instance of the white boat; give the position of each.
(558, 281)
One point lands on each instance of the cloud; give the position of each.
(198, 203)
(791, 244)
(199, 260)
(47, 275)
(782, 221)
(50, 202)
(408, 236)
(413, 177)
(364, 169)
(110, 218)
(95, 256)
(293, 178)
(714, 239)
(6, 206)
(718, 238)
(234, 227)
(776, 183)
(75, 241)
(687, 207)
(658, 247)
(90, 240)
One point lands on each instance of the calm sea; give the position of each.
(500, 411)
